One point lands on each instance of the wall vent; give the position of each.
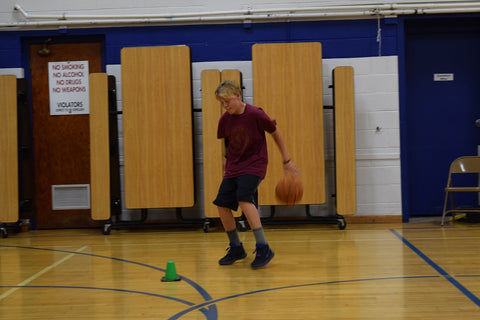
(70, 196)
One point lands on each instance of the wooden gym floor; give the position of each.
(367, 271)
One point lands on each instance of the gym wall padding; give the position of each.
(213, 148)
(9, 201)
(287, 84)
(99, 147)
(344, 108)
(157, 127)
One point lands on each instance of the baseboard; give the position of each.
(373, 219)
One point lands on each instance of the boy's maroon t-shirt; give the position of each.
(247, 146)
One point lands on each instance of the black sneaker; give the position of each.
(263, 256)
(234, 253)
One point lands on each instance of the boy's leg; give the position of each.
(263, 252)
(253, 218)
(226, 199)
(229, 225)
(235, 251)
(227, 218)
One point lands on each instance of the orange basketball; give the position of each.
(289, 190)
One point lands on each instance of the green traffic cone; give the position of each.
(171, 272)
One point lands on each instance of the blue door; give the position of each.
(442, 65)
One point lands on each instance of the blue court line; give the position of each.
(210, 313)
(435, 266)
(204, 304)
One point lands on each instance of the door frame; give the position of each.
(40, 38)
(404, 125)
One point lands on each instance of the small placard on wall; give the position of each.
(68, 87)
(443, 77)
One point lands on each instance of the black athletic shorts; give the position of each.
(233, 190)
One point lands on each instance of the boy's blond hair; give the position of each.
(228, 89)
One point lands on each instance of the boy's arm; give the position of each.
(278, 137)
(224, 158)
(288, 165)
(225, 142)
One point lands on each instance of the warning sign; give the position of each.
(68, 85)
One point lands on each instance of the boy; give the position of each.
(243, 128)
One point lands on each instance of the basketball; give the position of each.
(289, 190)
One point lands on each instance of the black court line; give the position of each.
(210, 313)
(435, 266)
(213, 315)
(202, 305)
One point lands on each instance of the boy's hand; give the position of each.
(292, 169)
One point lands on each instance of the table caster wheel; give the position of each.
(107, 229)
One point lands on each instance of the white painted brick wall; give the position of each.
(17, 72)
(377, 151)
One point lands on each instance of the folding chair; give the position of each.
(462, 165)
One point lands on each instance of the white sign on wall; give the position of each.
(443, 77)
(68, 87)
